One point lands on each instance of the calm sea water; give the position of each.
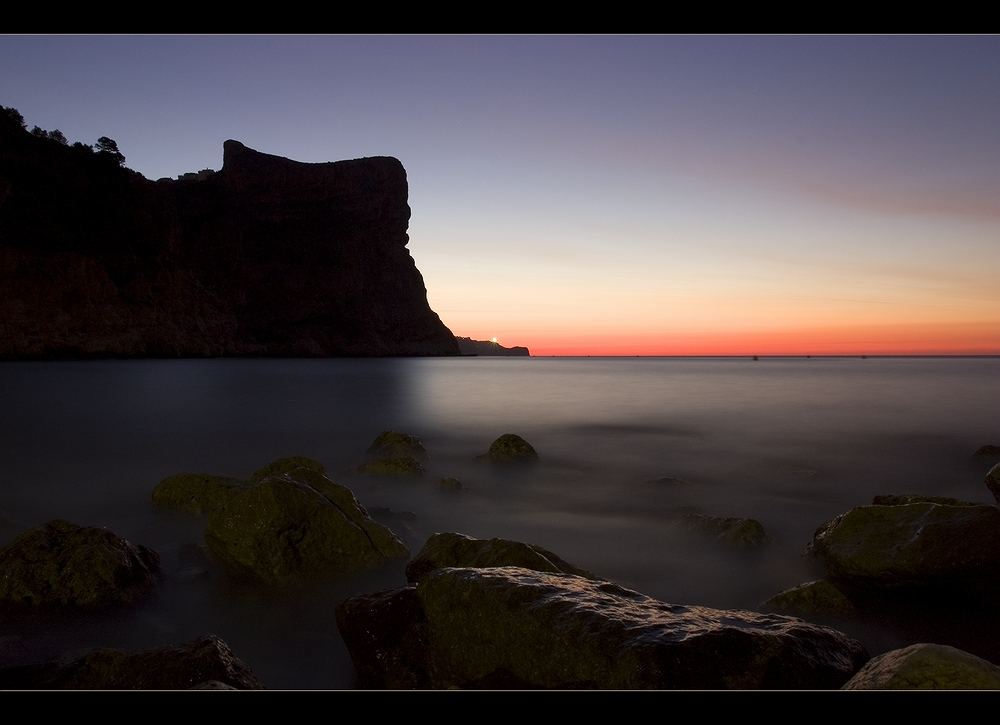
(789, 442)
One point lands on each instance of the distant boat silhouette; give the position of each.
(754, 357)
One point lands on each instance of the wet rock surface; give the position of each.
(205, 661)
(510, 448)
(926, 666)
(512, 627)
(63, 565)
(458, 550)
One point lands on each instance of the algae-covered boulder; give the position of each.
(401, 466)
(812, 599)
(903, 500)
(510, 448)
(166, 668)
(450, 549)
(512, 627)
(64, 565)
(294, 525)
(993, 481)
(196, 493)
(286, 465)
(926, 667)
(731, 531)
(391, 444)
(923, 545)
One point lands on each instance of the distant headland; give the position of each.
(266, 257)
(468, 346)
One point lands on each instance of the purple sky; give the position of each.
(570, 189)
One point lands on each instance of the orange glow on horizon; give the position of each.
(906, 339)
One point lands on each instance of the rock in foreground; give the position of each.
(289, 527)
(510, 448)
(926, 667)
(459, 550)
(65, 565)
(186, 666)
(511, 627)
(906, 499)
(919, 545)
(195, 493)
(812, 599)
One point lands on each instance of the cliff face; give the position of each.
(268, 257)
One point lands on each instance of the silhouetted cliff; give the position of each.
(267, 257)
(468, 346)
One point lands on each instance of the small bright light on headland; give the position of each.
(494, 340)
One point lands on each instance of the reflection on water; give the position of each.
(790, 442)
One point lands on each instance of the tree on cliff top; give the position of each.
(12, 115)
(108, 146)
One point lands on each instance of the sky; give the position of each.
(608, 195)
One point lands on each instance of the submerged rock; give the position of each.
(510, 448)
(735, 532)
(65, 565)
(918, 545)
(926, 667)
(513, 627)
(459, 550)
(450, 484)
(294, 525)
(196, 493)
(403, 466)
(812, 599)
(903, 500)
(191, 665)
(993, 482)
(988, 451)
(391, 444)
(287, 465)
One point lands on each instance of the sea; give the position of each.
(625, 445)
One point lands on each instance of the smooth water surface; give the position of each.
(791, 442)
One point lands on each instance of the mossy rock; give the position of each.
(290, 527)
(196, 493)
(450, 484)
(186, 666)
(64, 565)
(926, 667)
(404, 466)
(812, 599)
(921, 545)
(906, 499)
(509, 627)
(993, 481)
(451, 549)
(732, 532)
(510, 448)
(391, 444)
(287, 465)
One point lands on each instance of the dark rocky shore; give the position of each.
(506, 614)
(267, 257)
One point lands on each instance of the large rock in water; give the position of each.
(196, 493)
(296, 525)
(267, 257)
(512, 627)
(812, 599)
(510, 448)
(926, 667)
(459, 550)
(918, 545)
(65, 565)
(186, 666)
